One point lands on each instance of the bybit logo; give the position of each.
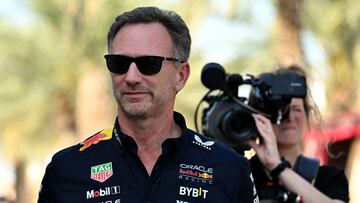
(193, 192)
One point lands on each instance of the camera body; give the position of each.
(228, 117)
(227, 121)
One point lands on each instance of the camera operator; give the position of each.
(279, 148)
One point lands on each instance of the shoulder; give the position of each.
(84, 148)
(70, 162)
(217, 150)
(333, 182)
(229, 167)
(328, 172)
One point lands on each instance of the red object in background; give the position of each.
(336, 129)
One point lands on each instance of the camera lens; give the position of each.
(239, 125)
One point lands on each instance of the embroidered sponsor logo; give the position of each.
(180, 201)
(196, 173)
(197, 168)
(111, 201)
(193, 192)
(256, 198)
(102, 192)
(101, 172)
(207, 145)
(103, 135)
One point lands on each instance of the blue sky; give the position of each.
(223, 34)
(16, 11)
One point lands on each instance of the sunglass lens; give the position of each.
(149, 65)
(118, 64)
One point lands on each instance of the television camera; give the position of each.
(228, 116)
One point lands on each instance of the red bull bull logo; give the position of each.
(205, 176)
(103, 135)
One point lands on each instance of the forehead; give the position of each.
(142, 39)
(297, 102)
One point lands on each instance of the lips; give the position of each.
(288, 127)
(135, 95)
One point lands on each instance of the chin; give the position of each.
(135, 111)
(287, 143)
(288, 139)
(135, 114)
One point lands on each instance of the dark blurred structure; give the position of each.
(5, 200)
(332, 143)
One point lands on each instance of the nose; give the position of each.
(290, 117)
(133, 75)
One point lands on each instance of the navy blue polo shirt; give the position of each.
(105, 168)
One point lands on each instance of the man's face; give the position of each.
(143, 96)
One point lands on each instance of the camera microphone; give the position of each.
(213, 76)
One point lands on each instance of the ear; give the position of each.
(182, 76)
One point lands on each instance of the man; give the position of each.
(149, 155)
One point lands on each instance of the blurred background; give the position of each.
(55, 89)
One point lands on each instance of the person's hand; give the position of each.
(267, 149)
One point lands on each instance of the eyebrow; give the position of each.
(295, 105)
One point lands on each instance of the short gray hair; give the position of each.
(175, 25)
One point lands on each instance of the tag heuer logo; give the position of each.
(101, 172)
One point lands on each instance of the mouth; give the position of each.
(135, 95)
(134, 92)
(288, 128)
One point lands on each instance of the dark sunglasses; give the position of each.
(147, 65)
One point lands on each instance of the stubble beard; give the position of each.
(137, 111)
(143, 109)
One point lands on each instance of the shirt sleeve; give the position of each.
(333, 183)
(47, 189)
(248, 191)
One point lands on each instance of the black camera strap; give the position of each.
(307, 168)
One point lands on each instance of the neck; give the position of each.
(290, 153)
(149, 134)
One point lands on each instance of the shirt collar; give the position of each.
(170, 145)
